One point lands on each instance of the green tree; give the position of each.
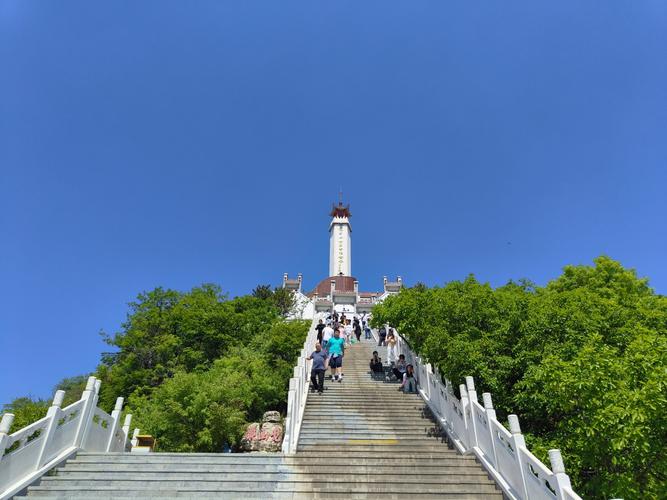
(206, 411)
(582, 361)
(284, 300)
(167, 331)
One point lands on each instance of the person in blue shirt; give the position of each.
(336, 348)
(319, 358)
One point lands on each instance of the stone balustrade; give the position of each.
(473, 429)
(298, 390)
(28, 453)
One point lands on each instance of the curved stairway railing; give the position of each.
(298, 391)
(29, 453)
(474, 429)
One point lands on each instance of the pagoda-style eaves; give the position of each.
(340, 210)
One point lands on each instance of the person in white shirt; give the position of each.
(327, 333)
(348, 332)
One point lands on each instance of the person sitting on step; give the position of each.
(409, 385)
(400, 368)
(377, 369)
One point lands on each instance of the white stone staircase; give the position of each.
(360, 439)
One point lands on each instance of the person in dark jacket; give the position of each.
(382, 334)
(357, 331)
(320, 326)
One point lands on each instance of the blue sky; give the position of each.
(174, 143)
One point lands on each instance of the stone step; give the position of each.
(46, 495)
(309, 453)
(159, 488)
(444, 456)
(394, 427)
(318, 400)
(336, 408)
(189, 479)
(387, 440)
(385, 425)
(415, 436)
(314, 465)
(322, 419)
(312, 416)
(111, 494)
(333, 414)
(362, 446)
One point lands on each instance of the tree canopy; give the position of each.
(582, 361)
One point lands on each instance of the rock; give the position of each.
(267, 436)
(271, 437)
(250, 439)
(271, 416)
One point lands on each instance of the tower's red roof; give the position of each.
(340, 210)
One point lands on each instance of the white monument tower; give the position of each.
(340, 241)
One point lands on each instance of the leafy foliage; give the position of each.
(197, 367)
(205, 411)
(169, 331)
(583, 361)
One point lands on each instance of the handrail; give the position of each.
(29, 453)
(474, 429)
(298, 391)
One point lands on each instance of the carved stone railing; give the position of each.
(28, 453)
(298, 391)
(473, 429)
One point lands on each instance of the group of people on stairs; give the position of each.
(339, 332)
(403, 372)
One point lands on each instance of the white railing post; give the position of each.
(558, 468)
(135, 440)
(429, 376)
(53, 415)
(5, 425)
(518, 441)
(490, 416)
(126, 430)
(115, 422)
(465, 404)
(293, 397)
(86, 412)
(470, 412)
